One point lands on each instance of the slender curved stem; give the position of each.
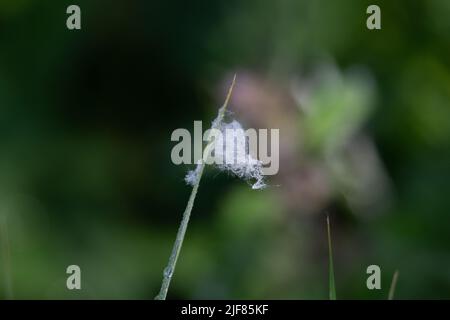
(6, 256)
(393, 286)
(169, 270)
(332, 285)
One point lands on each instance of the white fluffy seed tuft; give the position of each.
(232, 155)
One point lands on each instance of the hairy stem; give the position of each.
(169, 270)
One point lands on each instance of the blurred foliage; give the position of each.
(85, 170)
(337, 109)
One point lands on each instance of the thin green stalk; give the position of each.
(332, 286)
(6, 257)
(169, 270)
(393, 286)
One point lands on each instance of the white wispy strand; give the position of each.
(192, 175)
(231, 153)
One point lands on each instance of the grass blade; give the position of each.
(6, 257)
(332, 285)
(169, 270)
(393, 286)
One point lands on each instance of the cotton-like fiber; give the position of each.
(231, 154)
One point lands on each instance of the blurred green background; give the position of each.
(86, 176)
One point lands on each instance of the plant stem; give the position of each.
(169, 270)
(332, 285)
(393, 286)
(6, 257)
